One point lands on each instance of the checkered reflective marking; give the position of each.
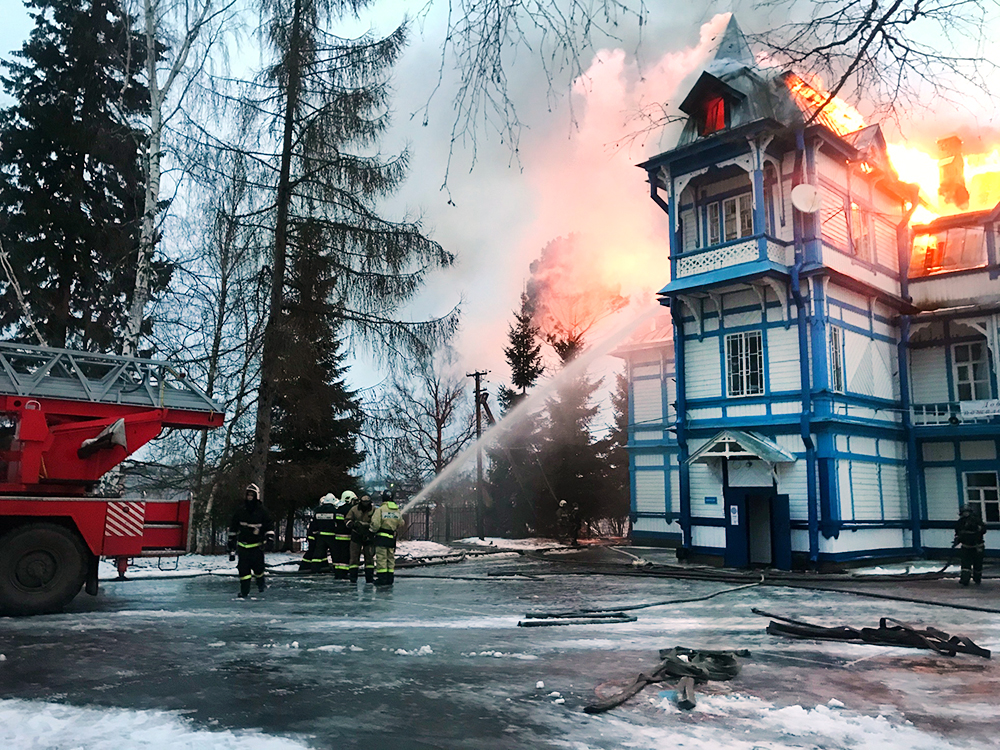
(125, 519)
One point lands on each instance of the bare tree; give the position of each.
(430, 421)
(170, 69)
(897, 55)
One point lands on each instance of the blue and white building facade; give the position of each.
(829, 389)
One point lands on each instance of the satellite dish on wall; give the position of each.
(806, 198)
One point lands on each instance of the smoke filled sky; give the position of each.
(567, 177)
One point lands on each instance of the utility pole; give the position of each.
(479, 375)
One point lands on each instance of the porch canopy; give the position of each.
(741, 445)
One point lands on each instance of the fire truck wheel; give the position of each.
(42, 567)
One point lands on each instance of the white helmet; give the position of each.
(348, 497)
(329, 497)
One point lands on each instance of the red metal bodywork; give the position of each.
(43, 457)
(112, 527)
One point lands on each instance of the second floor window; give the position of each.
(745, 363)
(972, 371)
(729, 219)
(737, 214)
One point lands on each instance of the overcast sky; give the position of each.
(566, 178)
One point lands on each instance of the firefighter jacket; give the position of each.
(341, 532)
(359, 521)
(324, 521)
(970, 531)
(385, 520)
(250, 528)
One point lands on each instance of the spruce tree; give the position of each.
(316, 417)
(569, 454)
(524, 355)
(325, 99)
(71, 183)
(514, 475)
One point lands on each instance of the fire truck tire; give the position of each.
(42, 567)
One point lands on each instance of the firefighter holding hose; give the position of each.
(970, 538)
(251, 533)
(359, 519)
(385, 521)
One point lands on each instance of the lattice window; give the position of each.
(981, 491)
(745, 363)
(972, 371)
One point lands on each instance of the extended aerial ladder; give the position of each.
(66, 419)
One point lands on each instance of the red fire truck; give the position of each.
(66, 419)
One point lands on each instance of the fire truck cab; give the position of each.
(66, 419)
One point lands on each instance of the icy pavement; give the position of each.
(439, 662)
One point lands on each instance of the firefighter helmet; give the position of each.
(387, 496)
(329, 497)
(254, 489)
(348, 497)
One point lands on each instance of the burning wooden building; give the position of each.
(829, 392)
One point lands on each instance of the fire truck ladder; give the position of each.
(76, 415)
(41, 372)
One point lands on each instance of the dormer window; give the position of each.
(710, 105)
(714, 115)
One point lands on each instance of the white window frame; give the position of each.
(985, 496)
(745, 364)
(837, 360)
(964, 372)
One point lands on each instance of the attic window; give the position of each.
(714, 115)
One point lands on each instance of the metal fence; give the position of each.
(440, 523)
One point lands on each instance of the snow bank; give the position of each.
(53, 726)
(915, 568)
(498, 543)
(414, 549)
(422, 651)
(188, 566)
(502, 655)
(742, 722)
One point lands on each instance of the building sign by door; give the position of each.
(734, 515)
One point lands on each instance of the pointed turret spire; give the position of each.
(734, 45)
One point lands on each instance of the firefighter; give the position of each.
(320, 536)
(970, 537)
(251, 533)
(563, 521)
(342, 538)
(385, 521)
(358, 519)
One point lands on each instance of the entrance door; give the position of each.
(757, 528)
(737, 540)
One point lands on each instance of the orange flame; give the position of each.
(837, 115)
